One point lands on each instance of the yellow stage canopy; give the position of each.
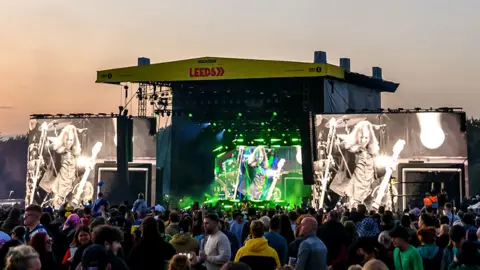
(214, 68)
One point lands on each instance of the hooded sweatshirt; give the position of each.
(258, 255)
(184, 242)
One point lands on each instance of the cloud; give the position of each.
(6, 107)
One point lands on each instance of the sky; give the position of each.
(50, 50)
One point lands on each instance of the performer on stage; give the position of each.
(363, 144)
(256, 166)
(68, 147)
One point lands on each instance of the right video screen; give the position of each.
(358, 149)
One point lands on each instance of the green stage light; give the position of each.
(285, 142)
(190, 115)
(241, 135)
(283, 134)
(239, 140)
(229, 130)
(295, 140)
(263, 123)
(218, 148)
(214, 124)
(274, 140)
(239, 114)
(274, 113)
(269, 129)
(259, 140)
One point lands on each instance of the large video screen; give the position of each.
(144, 141)
(62, 153)
(356, 151)
(260, 173)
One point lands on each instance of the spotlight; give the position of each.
(431, 134)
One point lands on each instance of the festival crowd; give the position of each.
(136, 237)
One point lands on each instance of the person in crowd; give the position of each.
(179, 262)
(215, 249)
(237, 225)
(32, 221)
(295, 245)
(173, 225)
(235, 266)
(70, 226)
(468, 257)
(99, 205)
(23, 257)
(276, 241)
(140, 205)
(81, 238)
(431, 254)
(87, 216)
(457, 237)
(251, 215)
(95, 257)
(42, 243)
(286, 229)
(368, 228)
(161, 230)
(110, 238)
(443, 238)
(17, 239)
(292, 215)
(405, 256)
(312, 253)
(448, 211)
(333, 234)
(183, 242)
(375, 265)
(266, 222)
(151, 249)
(234, 245)
(256, 253)
(12, 221)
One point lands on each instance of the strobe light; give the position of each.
(431, 133)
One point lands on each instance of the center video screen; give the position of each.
(260, 173)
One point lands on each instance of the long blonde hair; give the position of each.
(352, 140)
(60, 141)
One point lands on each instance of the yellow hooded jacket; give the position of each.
(257, 252)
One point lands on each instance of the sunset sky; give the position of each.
(50, 50)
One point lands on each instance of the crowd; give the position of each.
(103, 236)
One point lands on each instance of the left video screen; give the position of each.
(62, 154)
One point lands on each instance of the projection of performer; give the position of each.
(363, 144)
(67, 145)
(256, 166)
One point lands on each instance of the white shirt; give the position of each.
(217, 248)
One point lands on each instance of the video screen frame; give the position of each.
(421, 143)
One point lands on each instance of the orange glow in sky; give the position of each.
(50, 50)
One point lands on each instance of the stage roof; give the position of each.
(215, 68)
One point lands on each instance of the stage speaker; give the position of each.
(307, 135)
(152, 126)
(159, 186)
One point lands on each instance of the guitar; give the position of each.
(280, 164)
(397, 149)
(37, 173)
(80, 187)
